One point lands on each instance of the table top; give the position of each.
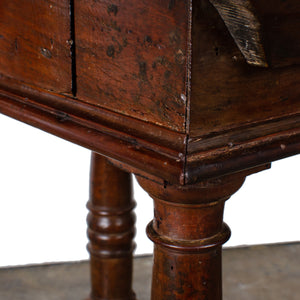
(178, 90)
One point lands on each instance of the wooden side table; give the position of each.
(190, 96)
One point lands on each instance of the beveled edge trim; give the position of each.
(133, 142)
(187, 246)
(104, 211)
(109, 253)
(65, 104)
(244, 156)
(95, 136)
(245, 132)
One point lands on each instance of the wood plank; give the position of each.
(228, 93)
(34, 43)
(244, 26)
(131, 58)
(259, 28)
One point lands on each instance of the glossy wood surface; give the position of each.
(111, 231)
(188, 232)
(191, 96)
(231, 116)
(35, 43)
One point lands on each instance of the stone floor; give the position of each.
(258, 273)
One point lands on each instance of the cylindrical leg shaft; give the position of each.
(188, 233)
(111, 231)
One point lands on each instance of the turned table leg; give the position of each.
(110, 231)
(188, 233)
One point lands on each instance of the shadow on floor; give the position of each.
(269, 272)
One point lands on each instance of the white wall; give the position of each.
(44, 189)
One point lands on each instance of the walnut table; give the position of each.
(190, 96)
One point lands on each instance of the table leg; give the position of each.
(111, 231)
(188, 233)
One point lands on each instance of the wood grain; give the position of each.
(188, 232)
(111, 231)
(35, 43)
(259, 28)
(107, 133)
(237, 116)
(132, 56)
(241, 20)
(226, 92)
(163, 91)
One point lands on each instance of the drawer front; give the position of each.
(131, 57)
(35, 43)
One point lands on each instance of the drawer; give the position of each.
(35, 43)
(131, 58)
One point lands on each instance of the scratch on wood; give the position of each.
(244, 26)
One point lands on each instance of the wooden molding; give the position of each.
(145, 148)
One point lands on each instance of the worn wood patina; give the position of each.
(190, 96)
(241, 20)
